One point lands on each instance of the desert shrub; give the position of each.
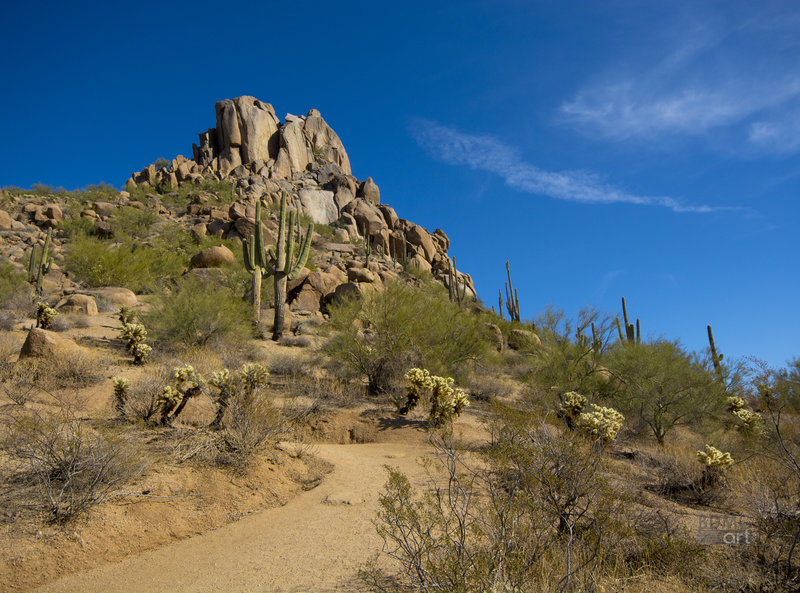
(132, 223)
(663, 386)
(141, 397)
(74, 369)
(15, 295)
(570, 357)
(69, 466)
(76, 226)
(527, 514)
(383, 334)
(196, 315)
(139, 267)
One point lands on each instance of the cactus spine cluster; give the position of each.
(633, 333)
(512, 298)
(282, 262)
(40, 263)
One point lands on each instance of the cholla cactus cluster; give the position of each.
(572, 404)
(745, 421)
(601, 423)
(121, 385)
(253, 376)
(187, 378)
(45, 314)
(447, 402)
(247, 380)
(713, 458)
(172, 400)
(134, 335)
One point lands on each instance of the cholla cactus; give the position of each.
(715, 463)
(446, 401)
(226, 385)
(749, 422)
(572, 404)
(420, 380)
(140, 353)
(735, 403)
(45, 315)
(253, 376)
(126, 314)
(121, 385)
(167, 400)
(132, 333)
(714, 458)
(187, 378)
(601, 423)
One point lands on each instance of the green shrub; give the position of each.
(385, 333)
(15, 292)
(141, 268)
(196, 315)
(133, 223)
(664, 386)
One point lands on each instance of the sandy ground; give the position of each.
(316, 542)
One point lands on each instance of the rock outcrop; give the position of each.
(302, 156)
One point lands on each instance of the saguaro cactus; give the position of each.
(632, 333)
(716, 357)
(456, 294)
(281, 262)
(40, 263)
(512, 298)
(255, 261)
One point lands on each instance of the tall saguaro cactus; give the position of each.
(456, 295)
(255, 261)
(281, 261)
(716, 357)
(40, 263)
(512, 298)
(632, 333)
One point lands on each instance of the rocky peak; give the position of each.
(304, 157)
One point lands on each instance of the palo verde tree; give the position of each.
(663, 385)
(281, 261)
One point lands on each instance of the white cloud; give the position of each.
(486, 153)
(710, 78)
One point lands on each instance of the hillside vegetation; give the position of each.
(171, 354)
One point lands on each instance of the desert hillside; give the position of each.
(247, 372)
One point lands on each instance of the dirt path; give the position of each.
(316, 542)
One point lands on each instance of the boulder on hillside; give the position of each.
(213, 257)
(41, 343)
(325, 143)
(521, 339)
(5, 221)
(77, 303)
(319, 205)
(113, 296)
(370, 192)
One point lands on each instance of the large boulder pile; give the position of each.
(303, 157)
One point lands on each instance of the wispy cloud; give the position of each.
(486, 153)
(739, 78)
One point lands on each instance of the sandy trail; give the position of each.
(316, 542)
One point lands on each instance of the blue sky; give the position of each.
(646, 149)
